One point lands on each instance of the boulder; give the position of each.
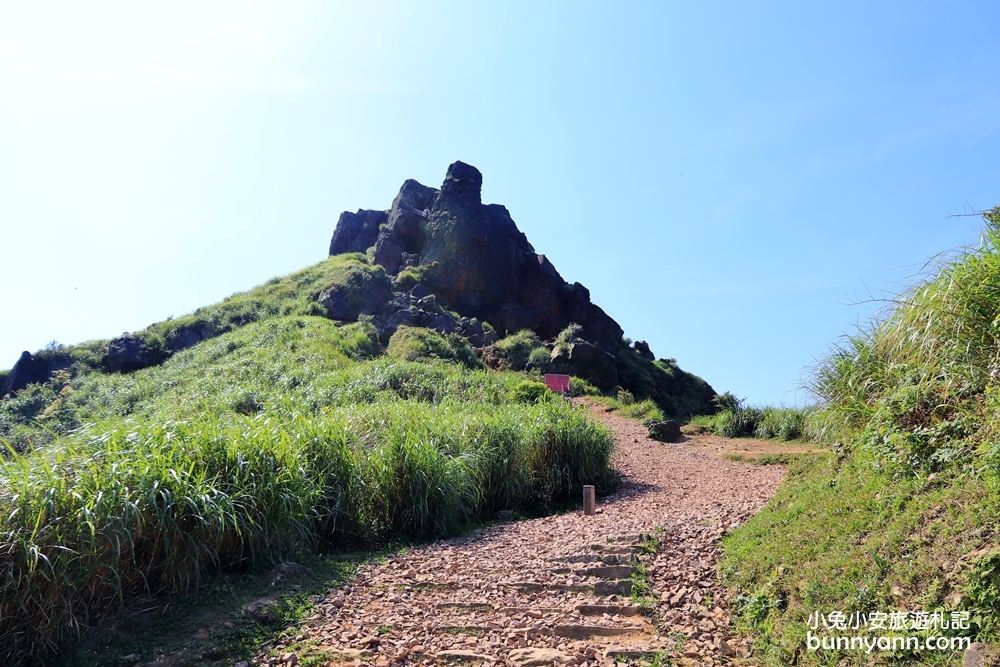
(413, 316)
(979, 654)
(474, 331)
(576, 356)
(641, 348)
(388, 254)
(128, 353)
(356, 232)
(27, 370)
(184, 337)
(665, 431)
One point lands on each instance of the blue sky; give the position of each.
(728, 179)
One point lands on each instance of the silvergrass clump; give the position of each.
(918, 385)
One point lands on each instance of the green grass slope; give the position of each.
(905, 515)
(284, 432)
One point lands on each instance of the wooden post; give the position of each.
(589, 501)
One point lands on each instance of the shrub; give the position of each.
(410, 276)
(625, 397)
(539, 358)
(529, 391)
(516, 350)
(580, 387)
(417, 343)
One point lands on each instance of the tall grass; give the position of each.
(904, 514)
(924, 374)
(260, 444)
(735, 419)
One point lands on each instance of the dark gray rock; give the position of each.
(474, 331)
(418, 291)
(576, 356)
(129, 353)
(641, 348)
(27, 370)
(413, 316)
(388, 254)
(286, 571)
(429, 302)
(582, 354)
(184, 337)
(356, 232)
(406, 221)
(410, 258)
(337, 305)
(665, 431)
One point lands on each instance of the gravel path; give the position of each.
(556, 590)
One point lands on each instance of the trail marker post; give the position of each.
(589, 501)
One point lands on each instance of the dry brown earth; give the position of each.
(555, 590)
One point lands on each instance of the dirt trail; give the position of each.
(556, 590)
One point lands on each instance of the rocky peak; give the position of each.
(476, 260)
(464, 182)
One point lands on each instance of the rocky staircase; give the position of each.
(575, 610)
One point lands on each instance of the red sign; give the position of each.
(558, 383)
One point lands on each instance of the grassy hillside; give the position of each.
(282, 431)
(905, 516)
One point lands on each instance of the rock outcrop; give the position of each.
(27, 370)
(128, 353)
(356, 232)
(457, 264)
(474, 258)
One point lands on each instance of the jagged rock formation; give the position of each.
(474, 258)
(448, 252)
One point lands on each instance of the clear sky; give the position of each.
(727, 179)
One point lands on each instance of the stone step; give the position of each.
(538, 657)
(635, 538)
(588, 631)
(618, 559)
(614, 587)
(605, 587)
(615, 549)
(609, 609)
(465, 629)
(607, 571)
(471, 606)
(610, 559)
(626, 653)
(530, 610)
(462, 656)
(428, 586)
(536, 587)
(577, 558)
